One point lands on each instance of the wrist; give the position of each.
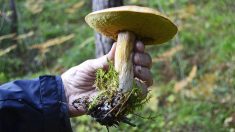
(70, 96)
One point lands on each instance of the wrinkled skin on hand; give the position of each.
(79, 80)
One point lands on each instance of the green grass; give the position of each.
(206, 33)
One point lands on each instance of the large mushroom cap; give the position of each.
(147, 24)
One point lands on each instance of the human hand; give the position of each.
(79, 80)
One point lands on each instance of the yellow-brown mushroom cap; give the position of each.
(147, 24)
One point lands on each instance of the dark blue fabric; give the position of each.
(34, 106)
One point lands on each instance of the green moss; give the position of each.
(107, 85)
(107, 80)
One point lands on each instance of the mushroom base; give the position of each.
(111, 106)
(107, 112)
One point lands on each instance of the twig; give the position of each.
(52, 42)
(8, 36)
(120, 110)
(7, 50)
(88, 40)
(24, 36)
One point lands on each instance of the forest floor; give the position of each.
(194, 73)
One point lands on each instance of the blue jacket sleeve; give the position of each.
(34, 106)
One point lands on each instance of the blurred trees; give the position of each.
(56, 38)
(103, 43)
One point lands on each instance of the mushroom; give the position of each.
(124, 24)
(127, 24)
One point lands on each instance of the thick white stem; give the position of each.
(123, 60)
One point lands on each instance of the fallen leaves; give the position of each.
(75, 7)
(168, 54)
(8, 36)
(34, 6)
(230, 121)
(24, 36)
(206, 87)
(16, 37)
(84, 43)
(7, 50)
(43, 47)
(186, 12)
(203, 90)
(183, 83)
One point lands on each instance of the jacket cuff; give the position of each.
(54, 106)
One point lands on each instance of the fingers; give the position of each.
(143, 64)
(143, 74)
(139, 47)
(102, 62)
(111, 53)
(80, 110)
(144, 87)
(142, 59)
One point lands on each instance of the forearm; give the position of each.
(34, 105)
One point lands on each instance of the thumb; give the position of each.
(111, 54)
(102, 62)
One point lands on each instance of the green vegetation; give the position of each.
(194, 73)
(107, 80)
(107, 84)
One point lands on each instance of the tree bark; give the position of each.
(14, 22)
(103, 43)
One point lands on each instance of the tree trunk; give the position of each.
(103, 43)
(14, 22)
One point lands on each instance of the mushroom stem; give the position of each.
(123, 60)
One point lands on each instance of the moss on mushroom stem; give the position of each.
(111, 106)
